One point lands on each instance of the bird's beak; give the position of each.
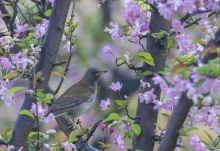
(101, 72)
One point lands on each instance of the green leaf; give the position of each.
(59, 74)
(198, 41)
(169, 43)
(10, 75)
(48, 12)
(30, 35)
(199, 83)
(209, 136)
(146, 57)
(72, 136)
(49, 96)
(146, 73)
(113, 116)
(161, 72)
(14, 89)
(76, 25)
(8, 129)
(31, 134)
(110, 125)
(74, 39)
(27, 112)
(5, 15)
(3, 148)
(136, 128)
(121, 102)
(35, 17)
(184, 132)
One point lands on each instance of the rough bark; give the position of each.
(147, 115)
(50, 47)
(181, 111)
(4, 10)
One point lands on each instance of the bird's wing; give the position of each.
(75, 95)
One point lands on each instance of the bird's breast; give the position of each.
(82, 108)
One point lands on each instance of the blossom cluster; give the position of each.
(136, 27)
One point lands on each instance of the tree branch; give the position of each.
(70, 53)
(23, 124)
(184, 104)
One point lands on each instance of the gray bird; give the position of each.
(77, 99)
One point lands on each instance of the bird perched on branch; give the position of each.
(77, 99)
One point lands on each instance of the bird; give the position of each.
(78, 98)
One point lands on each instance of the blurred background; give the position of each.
(88, 53)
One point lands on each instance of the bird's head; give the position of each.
(92, 75)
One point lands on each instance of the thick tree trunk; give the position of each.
(147, 115)
(47, 58)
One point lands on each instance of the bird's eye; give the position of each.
(93, 72)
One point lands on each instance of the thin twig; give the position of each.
(60, 63)
(39, 10)
(12, 20)
(141, 45)
(128, 115)
(70, 54)
(196, 21)
(93, 129)
(23, 15)
(38, 134)
(184, 18)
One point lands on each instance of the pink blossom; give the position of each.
(111, 129)
(125, 127)
(6, 64)
(184, 43)
(50, 131)
(168, 105)
(63, 38)
(144, 84)
(158, 105)
(119, 139)
(19, 29)
(35, 49)
(188, 6)
(148, 96)
(165, 11)
(52, 2)
(21, 60)
(177, 26)
(159, 80)
(127, 57)
(116, 33)
(9, 99)
(209, 115)
(132, 12)
(69, 146)
(40, 32)
(67, 46)
(107, 49)
(41, 111)
(203, 15)
(116, 86)
(48, 118)
(194, 140)
(140, 29)
(105, 104)
(214, 6)
(102, 126)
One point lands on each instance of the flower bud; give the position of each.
(111, 130)
(102, 126)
